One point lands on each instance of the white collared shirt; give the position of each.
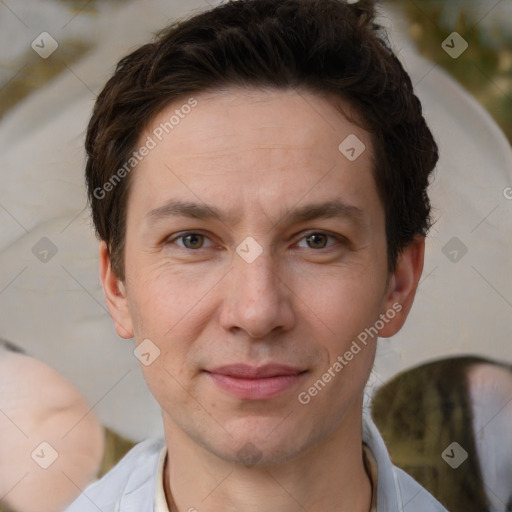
(161, 501)
(135, 484)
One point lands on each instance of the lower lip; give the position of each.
(256, 389)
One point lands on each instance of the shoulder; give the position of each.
(412, 496)
(396, 490)
(134, 476)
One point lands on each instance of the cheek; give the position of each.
(346, 301)
(171, 309)
(165, 298)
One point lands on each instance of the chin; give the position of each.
(264, 445)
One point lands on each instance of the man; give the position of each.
(257, 178)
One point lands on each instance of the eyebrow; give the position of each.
(330, 209)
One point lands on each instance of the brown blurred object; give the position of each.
(424, 410)
(116, 447)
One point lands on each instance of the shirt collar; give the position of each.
(160, 499)
(372, 470)
(370, 463)
(387, 486)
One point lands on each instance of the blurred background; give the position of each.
(485, 70)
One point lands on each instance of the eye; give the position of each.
(191, 240)
(195, 240)
(318, 240)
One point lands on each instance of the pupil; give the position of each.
(194, 239)
(315, 238)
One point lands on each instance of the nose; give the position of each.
(257, 297)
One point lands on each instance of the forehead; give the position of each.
(224, 117)
(237, 147)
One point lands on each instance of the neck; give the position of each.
(329, 476)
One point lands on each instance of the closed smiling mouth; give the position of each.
(256, 382)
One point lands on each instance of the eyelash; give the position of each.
(339, 238)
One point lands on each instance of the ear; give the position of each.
(402, 287)
(115, 294)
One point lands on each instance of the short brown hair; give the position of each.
(329, 47)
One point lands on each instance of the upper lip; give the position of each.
(244, 371)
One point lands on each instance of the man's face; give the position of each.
(262, 285)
